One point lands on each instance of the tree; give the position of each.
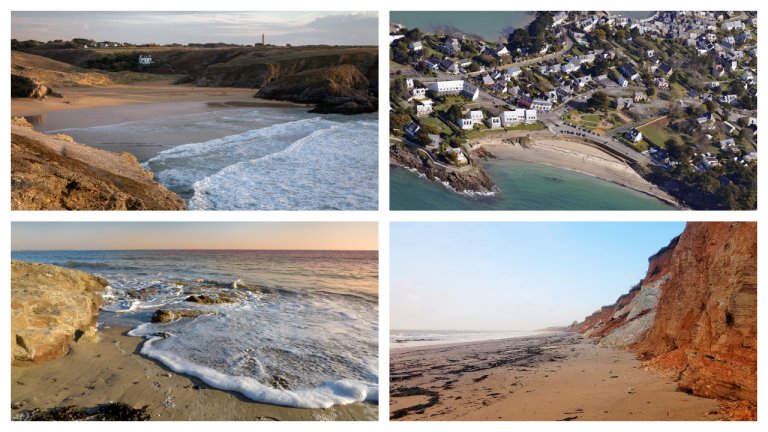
(598, 101)
(399, 89)
(423, 136)
(454, 112)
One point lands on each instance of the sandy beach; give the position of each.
(556, 378)
(579, 157)
(111, 369)
(149, 93)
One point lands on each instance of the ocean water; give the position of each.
(491, 26)
(252, 158)
(414, 338)
(524, 186)
(302, 330)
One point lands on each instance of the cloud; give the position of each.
(331, 28)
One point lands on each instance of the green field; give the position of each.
(657, 133)
(444, 129)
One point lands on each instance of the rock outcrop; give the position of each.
(474, 180)
(51, 309)
(55, 173)
(694, 315)
(342, 89)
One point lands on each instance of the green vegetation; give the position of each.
(657, 133)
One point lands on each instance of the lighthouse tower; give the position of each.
(262, 38)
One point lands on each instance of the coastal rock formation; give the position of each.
(474, 180)
(341, 89)
(55, 173)
(23, 87)
(167, 315)
(51, 309)
(695, 313)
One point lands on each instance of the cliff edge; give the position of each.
(51, 309)
(52, 172)
(694, 315)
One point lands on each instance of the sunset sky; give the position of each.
(514, 276)
(194, 235)
(296, 28)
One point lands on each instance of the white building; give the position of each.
(462, 87)
(541, 105)
(423, 110)
(415, 46)
(476, 116)
(145, 59)
(419, 93)
(634, 135)
(465, 123)
(518, 116)
(494, 122)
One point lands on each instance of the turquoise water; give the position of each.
(524, 186)
(490, 25)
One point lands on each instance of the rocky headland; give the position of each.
(52, 172)
(694, 315)
(52, 308)
(474, 180)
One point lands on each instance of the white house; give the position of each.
(541, 105)
(512, 118)
(634, 135)
(145, 59)
(461, 87)
(530, 116)
(494, 122)
(409, 83)
(415, 46)
(465, 123)
(457, 155)
(419, 93)
(476, 116)
(423, 110)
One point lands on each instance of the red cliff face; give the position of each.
(699, 303)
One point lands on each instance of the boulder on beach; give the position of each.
(51, 309)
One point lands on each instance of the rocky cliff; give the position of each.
(341, 89)
(55, 173)
(51, 309)
(694, 314)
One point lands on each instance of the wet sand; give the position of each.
(100, 106)
(560, 377)
(579, 157)
(111, 369)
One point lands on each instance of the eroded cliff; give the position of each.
(694, 314)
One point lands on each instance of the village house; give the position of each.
(457, 155)
(415, 46)
(634, 135)
(419, 93)
(640, 97)
(465, 123)
(145, 59)
(494, 122)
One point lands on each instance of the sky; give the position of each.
(194, 235)
(296, 28)
(514, 276)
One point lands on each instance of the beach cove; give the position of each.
(220, 148)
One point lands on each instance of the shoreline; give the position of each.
(558, 377)
(593, 162)
(156, 92)
(111, 369)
